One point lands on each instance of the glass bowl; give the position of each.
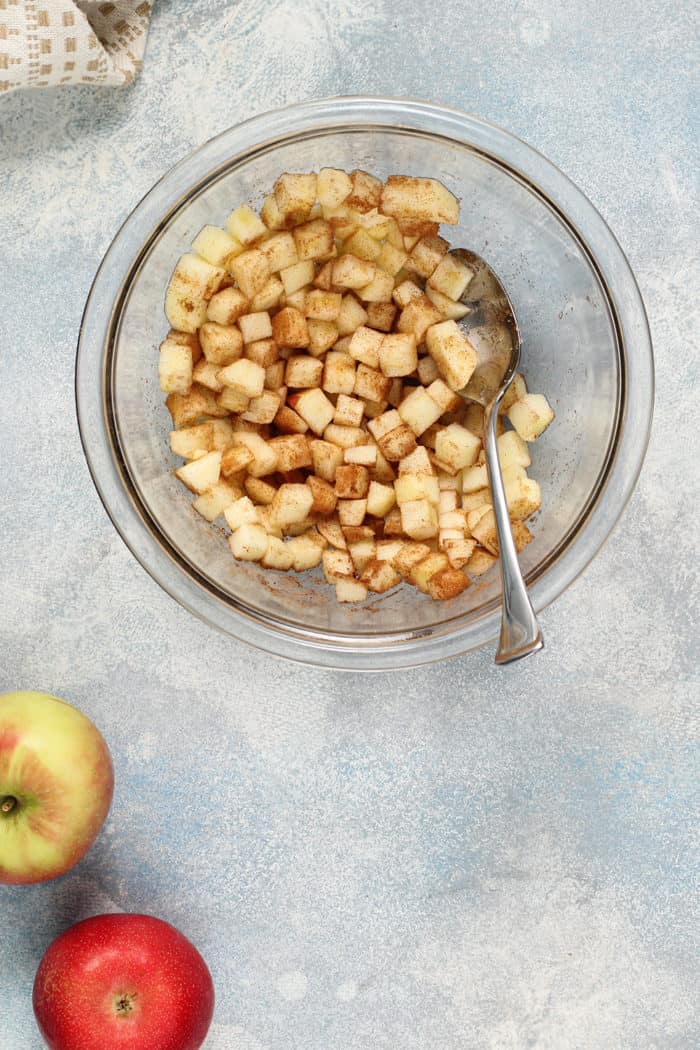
(586, 344)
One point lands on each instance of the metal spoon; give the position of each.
(493, 331)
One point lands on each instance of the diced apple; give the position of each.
(352, 511)
(333, 187)
(324, 495)
(303, 372)
(249, 543)
(426, 200)
(351, 316)
(424, 570)
(191, 286)
(291, 504)
(418, 410)
(277, 555)
(313, 239)
(406, 292)
(351, 481)
(447, 583)
(512, 450)
(362, 455)
(337, 565)
(216, 246)
(365, 345)
(457, 446)
(262, 409)
(292, 452)
(450, 310)
(261, 492)
(251, 272)
(270, 213)
(398, 443)
(227, 306)
(245, 376)
(206, 374)
(417, 317)
(530, 416)
(362, 550)
(264, 460)
(370, 384)
(419, 519)
(186, 409)
(428, 371)
(332, 532)
(338, 373)
(306, 551)
(212, 503)
(255, 326)
(409, 555)
(523, 496)
(232, 400)
(397, 354)
(201, 474)
(380, 499)
(295, 196)
(451, 277)
(314, 407)
(326, 458)
(351, 272)
(348, 411)
(380, 316)
(245, 226)
(350, 590)
(175, 368)
(322, 336)
(452, 352)
(297, 276)
(379, 576)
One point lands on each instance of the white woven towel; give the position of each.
(48, 42)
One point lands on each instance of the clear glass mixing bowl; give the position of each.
(586, 345)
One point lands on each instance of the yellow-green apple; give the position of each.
(56, 784)
(131, 982)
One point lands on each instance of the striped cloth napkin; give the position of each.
(44, 43)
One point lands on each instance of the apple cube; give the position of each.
(175, 368)
(270, 213)
(292, 451)
(264, 352)
(363, 455)
(245, 376)
(221, 344)
(352, 511)
(351, 316)
(379, 289)
(289, 328)
(524, 498)
(480, 562)
(322, 336)
(245, 226)
(366, 191)
(457, 446)
(381, 316)
(289, 421)
(398, 355)
(409, 555)
(242, 512)
(232, 400)
(291, 504)
(192, 284)
(337, 565)
(398, 443)
(362, 550)
(212, 503)
(452, 352)
(417, 462)
(261, 492)
(324, 496)
(448, 308)
(216, 246)
(280, 251)
(190, 441)
(186, 409)
(428, 371)
(333, 187)
(418, 410)
(411, 487)
(303, 372)
(326, 458)
(447, 583)
(443, 396)
(306, 552)
(201, 474)
(255, 326)
(426, 255)
(207, 374)
(323, 306)
(313, 239)
(451, 277)
(419, 519)
(379, 576)
(512, 450)
(348, 411)
(390, 259)
(365, 345)
(264, 459)
(349, 271)
(262, 409)
(351, 481)
(422, 571)
(370, 384)
(297, 276)
(350, 590)
(426, 200)
(314, 407)
(227, 306)
(295, 196)
(417, 317)
(406, 292)
(251, 272)
(530, 416)
(484, 532)
(249, 543)
(338, 373)
(277, 555)
(380, 499)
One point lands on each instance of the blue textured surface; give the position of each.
(450, 857)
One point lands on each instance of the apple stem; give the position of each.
(8, 804)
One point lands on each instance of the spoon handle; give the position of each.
(520, 631)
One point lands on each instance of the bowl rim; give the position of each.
(121, 261)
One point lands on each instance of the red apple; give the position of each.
(56, 784)
(123, 982)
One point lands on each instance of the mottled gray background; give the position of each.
(448, 857)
